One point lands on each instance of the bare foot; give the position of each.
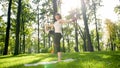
(59, 60)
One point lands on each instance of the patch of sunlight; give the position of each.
(18, 60)
(43, 54)
(49, 59)
(14, 58)
(106, 56)
(92, 64)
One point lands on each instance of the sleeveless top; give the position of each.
(58, 27)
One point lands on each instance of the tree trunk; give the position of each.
(84, 40)
(90, 47)
(63, 41)
(5, 52)
(20, 47)
(54, 8)
(54, 2)
(114, 47)
(97, 34)
(23, 35)
(68, 44)
(44, 39)
(76, 38)
(112, 43)
(38, 29)
(17, 29)
(83, 36)
(49, 45)
(23, 48)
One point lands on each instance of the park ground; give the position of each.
(109, 59)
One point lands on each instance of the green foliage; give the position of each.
(117, 9)
(2, 34)
(45, 50)
(113, 32)
(117, 39)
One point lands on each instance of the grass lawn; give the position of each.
(82, 60)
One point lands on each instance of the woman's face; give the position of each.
(57, 17)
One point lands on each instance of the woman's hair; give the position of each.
(58, 15)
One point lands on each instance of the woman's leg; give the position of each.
(58, 50)
(59, 56)
(57, 45)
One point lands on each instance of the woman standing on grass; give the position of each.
(58, 33)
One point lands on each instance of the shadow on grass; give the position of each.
(12, 56)
(42, 57)
(92, 60)
(100, 60)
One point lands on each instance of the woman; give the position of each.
(58, 32)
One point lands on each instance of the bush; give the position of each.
(47, 50)
(44, 50)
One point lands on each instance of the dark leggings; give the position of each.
(57, 38)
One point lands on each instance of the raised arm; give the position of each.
(67, 21)
(48, 27)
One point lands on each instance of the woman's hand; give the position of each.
(48, 27)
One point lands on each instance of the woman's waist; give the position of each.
(58, 31)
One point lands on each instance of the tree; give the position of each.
(27, 19)
(2, 34)
(83, 36)
(23, 29)
(63, 42)
(38, 29)
(90, 47)
(117, 40)
(17, 29)
(7, 29)
(76, 37)
(66, 37)
(111, 28)
(96, 24)
(117, 11)
(75, 13)
(54, 2)
(45, 16)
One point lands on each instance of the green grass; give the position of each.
(82, 60)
